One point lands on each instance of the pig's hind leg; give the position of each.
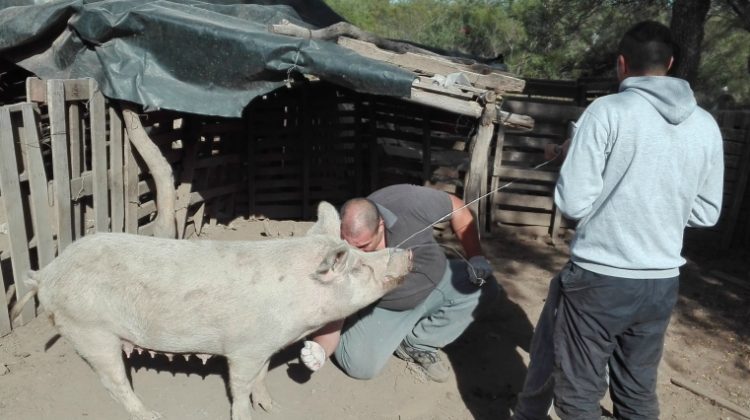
(260, 396)
(103, 352)
(244, 371)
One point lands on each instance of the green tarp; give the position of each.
(208, 57)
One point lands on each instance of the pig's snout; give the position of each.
(399, 265)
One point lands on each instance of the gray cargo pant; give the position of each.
(370, 336)
(595, 321)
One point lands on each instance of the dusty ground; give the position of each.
(708, 344)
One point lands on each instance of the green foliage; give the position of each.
(554, 39)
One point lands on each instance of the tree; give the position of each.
(687, 24)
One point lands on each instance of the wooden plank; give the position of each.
(528, 142)
(213, 161)
(60, 165)
(524, 157)
(97, 111)
(514, 217)
(74, 90)
(544, 111)
(130, 185)
(11, 189)
(702, 392)
(459, 91)
(205, 195)
(525, 200)
(495, 184)
(76, 129)
(31, 147)
(116, 159)
(459, 106)
(433, 65)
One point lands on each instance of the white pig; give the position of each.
(110, 292)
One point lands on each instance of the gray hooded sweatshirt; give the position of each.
(643, 164)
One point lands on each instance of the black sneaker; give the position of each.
(429, 362)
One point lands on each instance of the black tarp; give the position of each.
(208, 57)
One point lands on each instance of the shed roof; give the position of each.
(213, 57)
(207, 57)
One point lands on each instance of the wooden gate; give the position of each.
(56, 186)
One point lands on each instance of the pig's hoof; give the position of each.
(263, 401)
(146, 415)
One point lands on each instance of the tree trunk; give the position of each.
(688, 19)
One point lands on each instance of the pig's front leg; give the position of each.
(244, 369)
(260, 396)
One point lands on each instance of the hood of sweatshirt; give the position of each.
(671, 97)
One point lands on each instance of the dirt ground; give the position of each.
(708, 345)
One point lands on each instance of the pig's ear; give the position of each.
(333, 263)
(328, 221)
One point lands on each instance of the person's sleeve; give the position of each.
(580, 182)
(707, 205)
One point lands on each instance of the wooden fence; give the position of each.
(527, 200)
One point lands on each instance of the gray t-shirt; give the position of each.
(407, 209)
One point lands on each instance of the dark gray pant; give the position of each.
(605, 320)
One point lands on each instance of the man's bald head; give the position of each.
(361, 224)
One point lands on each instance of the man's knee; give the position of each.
(357, 367)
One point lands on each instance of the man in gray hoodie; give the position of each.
(642, 165)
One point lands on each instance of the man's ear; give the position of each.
(334, 262)
(328, 222)
(622, 67)
(671, 62)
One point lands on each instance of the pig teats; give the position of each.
(128, 348)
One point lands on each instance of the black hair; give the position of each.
(647, 46)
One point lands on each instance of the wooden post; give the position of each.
(305, 114)
(359, 116)
(426, 146)
(31, 147)
(117, 165)
(251, 167)
(60, 168)
(98, 130)
(496, 165)
(131, 187)
(11, 188)
(478, 166)
(160, 170)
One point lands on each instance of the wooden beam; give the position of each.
(433, 65)
(74, 90)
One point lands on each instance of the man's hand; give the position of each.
(312, 355)
(479, 270)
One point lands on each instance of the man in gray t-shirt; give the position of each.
(436, 302)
